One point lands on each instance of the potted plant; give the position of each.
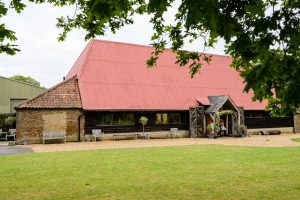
(209, 129)
(143, 121)
(243, 130)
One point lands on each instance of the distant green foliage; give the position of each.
(2, 122)
(25, 79)
(262, 36)
(10, 120)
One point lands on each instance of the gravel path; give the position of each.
(257, 141)
(8, 150)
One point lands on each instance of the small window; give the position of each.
(125, 119)
(170, 118)
(115, 119)
(175, 118)
(161, 118)
(104, 119)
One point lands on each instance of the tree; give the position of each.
(262, 36)
(25, 79)
(10, 120)
(143, 120)
(7, 35)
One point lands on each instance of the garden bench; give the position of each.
(11, 133)
(97, 133)
(54, 135)
(132, 135)
(174, 132)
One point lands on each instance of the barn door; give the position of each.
(196, 121)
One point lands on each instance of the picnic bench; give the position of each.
(54, 135)
(131, 135)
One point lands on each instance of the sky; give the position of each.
(45, 59)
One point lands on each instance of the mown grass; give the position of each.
(296, 139)
(186, 172)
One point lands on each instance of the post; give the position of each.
(204, 124)
(227, 124)
(238, 123)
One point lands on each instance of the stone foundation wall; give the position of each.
(32, 123)
(284, 130)
(297, 122)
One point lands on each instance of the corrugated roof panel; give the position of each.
(114, 76)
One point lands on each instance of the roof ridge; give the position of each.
(149, 46)
(47, 91)
(84, 54)
(89, 47)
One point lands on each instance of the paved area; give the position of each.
(7, 150)
(258, 141)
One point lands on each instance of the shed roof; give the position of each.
(217, 102)
(114, 76)
(63, 95)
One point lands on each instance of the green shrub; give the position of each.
(10, 120)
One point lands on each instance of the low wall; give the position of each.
(153, 135)
(31, 123)
(282, 129)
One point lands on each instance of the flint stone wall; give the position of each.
(32, 122)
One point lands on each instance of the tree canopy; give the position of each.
(262, 36)
(26, 79)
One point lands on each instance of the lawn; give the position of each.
(186, 172)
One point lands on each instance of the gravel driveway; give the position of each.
(283, 140)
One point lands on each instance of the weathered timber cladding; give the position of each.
(297, 122)
(91, 123)
(32, 122)
(269, 122)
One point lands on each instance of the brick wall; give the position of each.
(297, 122)
(32, 122)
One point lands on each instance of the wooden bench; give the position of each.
(54, 135)
(132, 135)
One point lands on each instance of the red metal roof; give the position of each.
(114, 76)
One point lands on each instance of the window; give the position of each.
(161, 118)
(175, 118)
(115, 119)
(170, 118)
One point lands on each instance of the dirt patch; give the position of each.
(257, 141)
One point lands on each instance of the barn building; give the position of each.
(109, 88)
